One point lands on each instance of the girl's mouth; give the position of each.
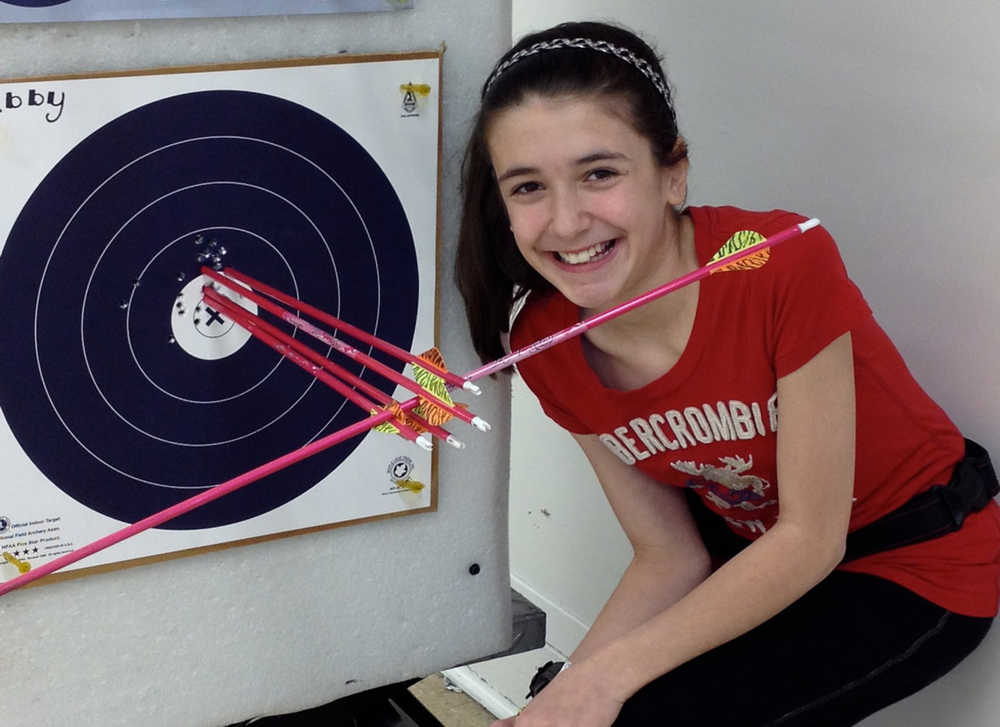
(590, 254)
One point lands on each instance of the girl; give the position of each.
(574, 183)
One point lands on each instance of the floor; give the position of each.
(499, 683)
(452, 708)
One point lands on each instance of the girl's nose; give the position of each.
(569, 217)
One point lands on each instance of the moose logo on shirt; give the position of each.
(730, 486)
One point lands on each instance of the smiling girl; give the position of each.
(746, 601)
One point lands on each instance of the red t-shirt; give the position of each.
(710, 422)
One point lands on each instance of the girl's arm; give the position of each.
(816, 474)
(668, 559)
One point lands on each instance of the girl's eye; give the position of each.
(601, 174)
(526, 188)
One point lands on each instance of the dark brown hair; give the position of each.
(490, 271)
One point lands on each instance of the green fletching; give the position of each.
(432, 383)
(739, 241)
(386, 427)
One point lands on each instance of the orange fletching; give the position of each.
(751, 262)
(428, 378)
(434, 357)
(434, 415)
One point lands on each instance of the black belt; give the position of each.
(940, 510)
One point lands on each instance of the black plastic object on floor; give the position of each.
(388, 706)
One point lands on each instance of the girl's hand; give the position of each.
(573, 699)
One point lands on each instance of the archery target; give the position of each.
(120, 384)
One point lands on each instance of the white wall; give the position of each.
(882, 119)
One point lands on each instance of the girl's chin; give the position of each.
(591, 298)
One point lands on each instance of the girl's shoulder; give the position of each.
(724, 229)
(540, 314)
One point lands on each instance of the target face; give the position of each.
(123, 387)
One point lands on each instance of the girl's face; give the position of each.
(590, 208)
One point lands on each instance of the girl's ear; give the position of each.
(675, 174)
(675, 183)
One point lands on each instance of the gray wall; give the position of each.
(295, 622)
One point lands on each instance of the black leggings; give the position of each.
(852, 645)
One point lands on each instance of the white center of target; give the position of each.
(199, 329)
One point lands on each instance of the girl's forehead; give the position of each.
(557, 109)
(563, 121)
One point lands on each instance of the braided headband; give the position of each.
(602, 46)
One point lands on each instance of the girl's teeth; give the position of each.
(584, 256)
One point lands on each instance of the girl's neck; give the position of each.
(642, 345)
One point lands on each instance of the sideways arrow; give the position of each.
(729, 262)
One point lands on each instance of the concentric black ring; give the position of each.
(96, 391)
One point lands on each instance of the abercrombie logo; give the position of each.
(51, 102)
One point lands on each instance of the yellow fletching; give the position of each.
(385, 427)
(433, 384)
(388, 426)
(399, 417)
(737, 243)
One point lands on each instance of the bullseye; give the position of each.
(200, 330)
